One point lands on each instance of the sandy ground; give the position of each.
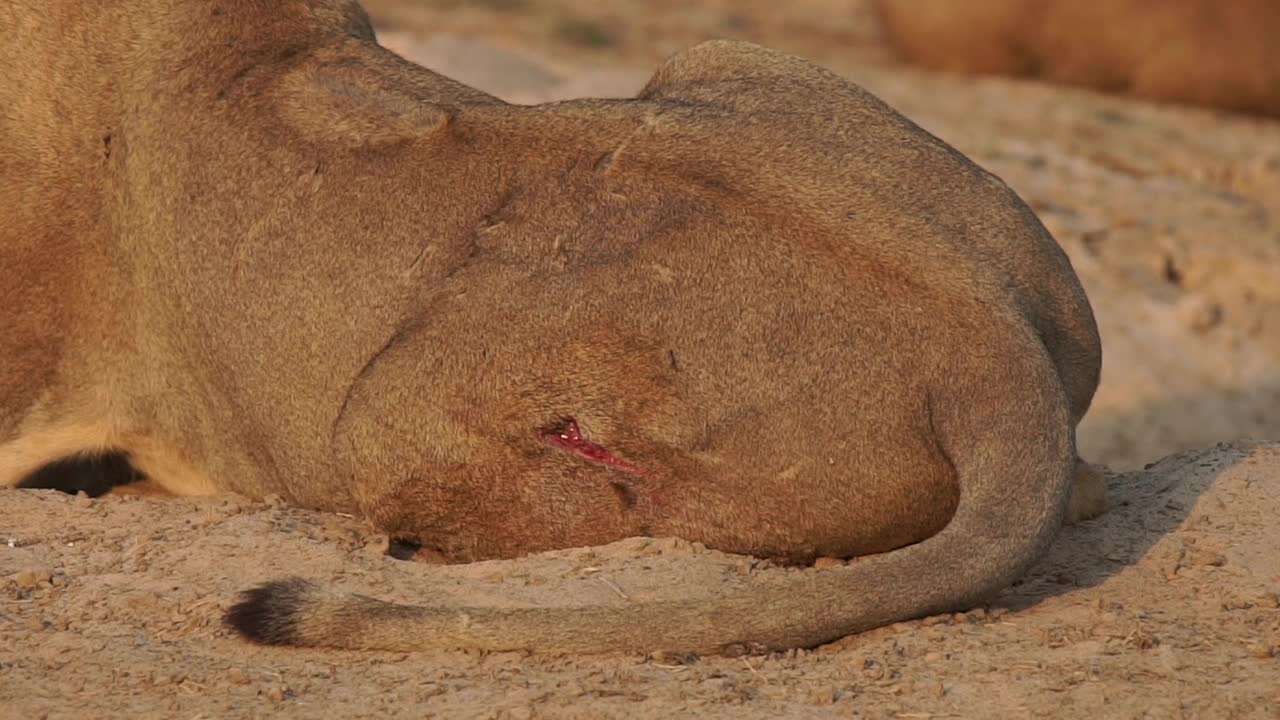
(1165, 607)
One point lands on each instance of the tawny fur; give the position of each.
(259, 253)
(1216, 53)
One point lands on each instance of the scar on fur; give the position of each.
(567, 436)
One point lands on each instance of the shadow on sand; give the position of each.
(1143, 507)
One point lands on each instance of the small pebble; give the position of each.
(1202, 556)
(1263, 651)
(1201, 315)
(31, 579)
(823, 695)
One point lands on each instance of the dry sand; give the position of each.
(1165, 607)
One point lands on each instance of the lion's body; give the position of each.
(252, 251)
(1202, 52)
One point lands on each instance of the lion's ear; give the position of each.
(743, 76)
(349, 102)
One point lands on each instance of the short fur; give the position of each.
(259, 253)
(1216, 53)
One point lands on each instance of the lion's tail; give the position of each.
(1013, 451)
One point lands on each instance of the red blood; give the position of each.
(568, 437)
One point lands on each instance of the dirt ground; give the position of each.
(1165, 607)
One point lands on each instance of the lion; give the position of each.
(249, 250)
(1197, 52)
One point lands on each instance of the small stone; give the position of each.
(635, 546)
(823, 695)
(32, 578)
(672, 545)
(1268, 600)
(520, 712)
(1264, 651)
(276, 693)
(1202, 556)
(1171, 659)
(665, 657)
(83, 501)
(238, 676)
(235, 504)
(1202, 315)
(824, 563)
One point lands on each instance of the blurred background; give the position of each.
(1143, 132)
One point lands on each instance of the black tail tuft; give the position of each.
(93, 473)
(268, 614)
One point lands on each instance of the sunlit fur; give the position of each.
(255, 252)
(1216, 53)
